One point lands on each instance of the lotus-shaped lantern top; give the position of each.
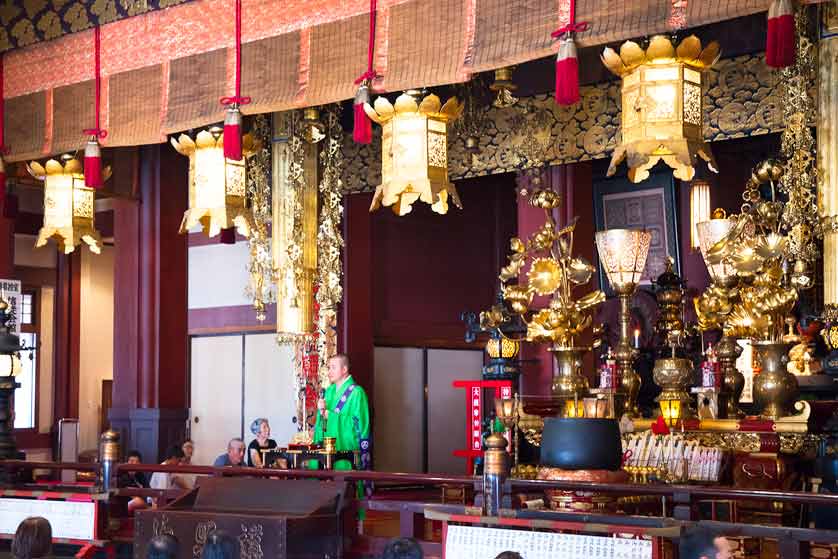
(382, 111)
(212, 138)
(68, 165)
(660, 51)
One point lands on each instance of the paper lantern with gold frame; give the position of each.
(69, 210)
(662, 109)
(217, 186)
(414, 152)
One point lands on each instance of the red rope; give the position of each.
(370, 73)
(97, 130)
(237, 98)
(572, 26)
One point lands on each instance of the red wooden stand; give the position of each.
(474, 413)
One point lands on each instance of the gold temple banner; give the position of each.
(742, 99)
(827, 148)
(304, 53)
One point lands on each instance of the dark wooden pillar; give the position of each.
(67, 335)
(7, 240)
(355, 329)
(150, 306)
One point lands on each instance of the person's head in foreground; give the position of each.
(509, 555)
(174, 456)
(235, 451)
(163, 546)
(699, 542)
(402, 548)
(220, 546)
(33, 538)
(134, 457)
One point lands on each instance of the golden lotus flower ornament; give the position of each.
(414, 152)
(662, 108)
(217, 186)
(69, 211)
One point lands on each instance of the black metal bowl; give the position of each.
(581, 444)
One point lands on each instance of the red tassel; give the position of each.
(362, 129)
(780, 41)
(228, 236)
(93, 164)
(567, 73)
(659, 427)
(233, 134)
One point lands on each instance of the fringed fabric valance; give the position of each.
(165, 71)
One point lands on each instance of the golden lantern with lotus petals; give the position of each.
(662, 105)
(414, 152)
(68, 205)
(217, 189)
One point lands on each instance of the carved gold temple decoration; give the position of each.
(294, 228)
(329, 237)
(68, 205)
(414, 152)
(553, 271)
(260, 288)
(217, 190)
(662, 105)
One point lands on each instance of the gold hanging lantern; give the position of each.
(662, 105)
(217, 193)
(68, 205)
(414, 158)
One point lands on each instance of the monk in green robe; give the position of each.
(346, 412)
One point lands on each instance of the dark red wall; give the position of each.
(428, 268)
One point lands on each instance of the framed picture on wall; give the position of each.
(649, 205)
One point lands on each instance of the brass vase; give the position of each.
(775, 389)
(733, 381)
(568, 381)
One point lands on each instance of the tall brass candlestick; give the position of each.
(623, 253)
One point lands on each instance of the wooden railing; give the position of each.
(792, 541)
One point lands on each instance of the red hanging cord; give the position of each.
(237, 98)
(97, 130)
(370, 73)
(362, 127)
(93, 177)
(572, 26)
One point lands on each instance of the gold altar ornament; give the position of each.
(554, 272)
(662, 105)
(414, 152)
(68, 205)
(217, 194)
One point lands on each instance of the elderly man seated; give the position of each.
(233, 456)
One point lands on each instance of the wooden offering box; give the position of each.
(282, 519)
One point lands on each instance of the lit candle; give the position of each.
(637, 338)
